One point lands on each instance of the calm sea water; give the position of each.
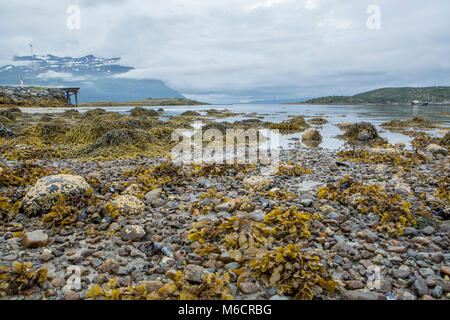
(333, 114)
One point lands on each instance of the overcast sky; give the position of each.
(238, 50)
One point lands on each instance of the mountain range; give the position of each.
(100, 79)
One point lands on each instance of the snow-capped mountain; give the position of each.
(99, 78)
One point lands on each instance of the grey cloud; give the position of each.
(230, 50)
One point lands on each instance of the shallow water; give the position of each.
(333, 114)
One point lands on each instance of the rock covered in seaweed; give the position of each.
(312, 135)
(141, 112)
(362, 131)
(48, 190)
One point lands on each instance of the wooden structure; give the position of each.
(71, 92)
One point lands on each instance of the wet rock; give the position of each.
(402, 189)
(228, 206)
(128, 205)
(401, 274)
(46, 255)
(249, 287)
(437, 292)
(167, 251)
(132, 233)
(354, 285)
(363, 295)
(72, 295)
(46, 192)
(153, 195)
(194, 273)
(420, 286)
(368, 235)
(151, 285)
(429, 230)
(397, 249)
(35, 239)
(445, 270)
(436, 149)
(307, 202)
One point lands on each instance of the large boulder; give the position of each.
(128, 205)
(48, 190)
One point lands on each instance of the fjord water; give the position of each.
(332, 113)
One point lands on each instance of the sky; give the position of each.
(240, 50)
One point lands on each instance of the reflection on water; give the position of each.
(333, 114)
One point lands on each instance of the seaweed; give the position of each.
(293, 170)
(296, 124)
(394, 211)
(141, 112)
(362, 132)
(20, 277)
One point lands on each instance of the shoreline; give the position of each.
(147, 228)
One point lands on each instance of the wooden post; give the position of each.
(76, 98)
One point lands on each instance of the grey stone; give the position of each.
(35, 239)
(363, 295)
(132, 233)
(194, 273)
(420, 286)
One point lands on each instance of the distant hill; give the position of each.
(147, 102)
(387, 96)
(100, 79)
(275, 101)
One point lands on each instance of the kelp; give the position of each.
(286, 267)
(318, 121)
(50, 130)
(289, 221)
(20, 277)
(141, 112)
(292, 169)
(394, 211)
(14, 151)
(293, 270)
(383, 154)
(8, 209)
(296, 124)
(417, 122)
(23, 175)
(213, 287)
(215, 198)
(281, 194)
(65, 211)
